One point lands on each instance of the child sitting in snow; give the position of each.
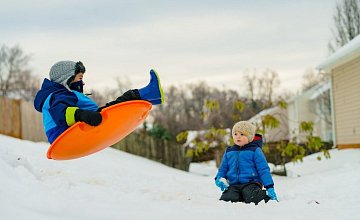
(62, 102)
(244, 170)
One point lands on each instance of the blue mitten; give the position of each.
(271, 193)
(222, 183)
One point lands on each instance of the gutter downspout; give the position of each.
(333, 110)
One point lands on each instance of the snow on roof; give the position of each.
(264, 112)
(192, 135)
(341, 56)
(313, 92)
(320, 90)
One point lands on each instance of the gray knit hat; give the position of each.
(245, 128)
(61, 72)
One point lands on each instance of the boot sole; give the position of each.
(160, 88)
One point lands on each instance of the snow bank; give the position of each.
(115, 185)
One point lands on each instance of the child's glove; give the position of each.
(89, 117)
(222, 183)
(271, 193)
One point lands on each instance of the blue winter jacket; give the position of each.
(241, 165)
(57, 106)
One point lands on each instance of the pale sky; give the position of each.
(185, 41)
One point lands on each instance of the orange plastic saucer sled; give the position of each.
(82, 139)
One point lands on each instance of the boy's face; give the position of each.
(78, 77)
(239, 138)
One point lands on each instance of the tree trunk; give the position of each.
(218, 154)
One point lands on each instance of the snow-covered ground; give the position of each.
(115, 185)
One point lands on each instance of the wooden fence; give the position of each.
(166, 152)
(19, 119)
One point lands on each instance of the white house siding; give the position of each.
(293, 120)
(300, 109)
(275, 134)
(346, 95)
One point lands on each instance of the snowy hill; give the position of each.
(115, 185)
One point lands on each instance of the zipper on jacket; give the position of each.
(237, 166)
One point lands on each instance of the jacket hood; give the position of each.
(47, 88)
(258, 141)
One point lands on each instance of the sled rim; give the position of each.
(140, 111)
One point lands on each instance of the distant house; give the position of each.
(275, 134)
(344, 67)
(313, 105)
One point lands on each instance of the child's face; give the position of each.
(240, 139)
(78, 77)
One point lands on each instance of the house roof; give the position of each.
(321, 90)
(263, 113)
(192, 135)
(313, 92)
(346, 53)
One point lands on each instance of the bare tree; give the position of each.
(122, 85)
(16, 79)
(110, 94)
(346, 23)
(320, 104)
(312, 78)
(250, 81)
(175, 114)
(26, 86)
(270, 83)
(265, 84)
(185, 108)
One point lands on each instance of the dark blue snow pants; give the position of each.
(250, 192)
